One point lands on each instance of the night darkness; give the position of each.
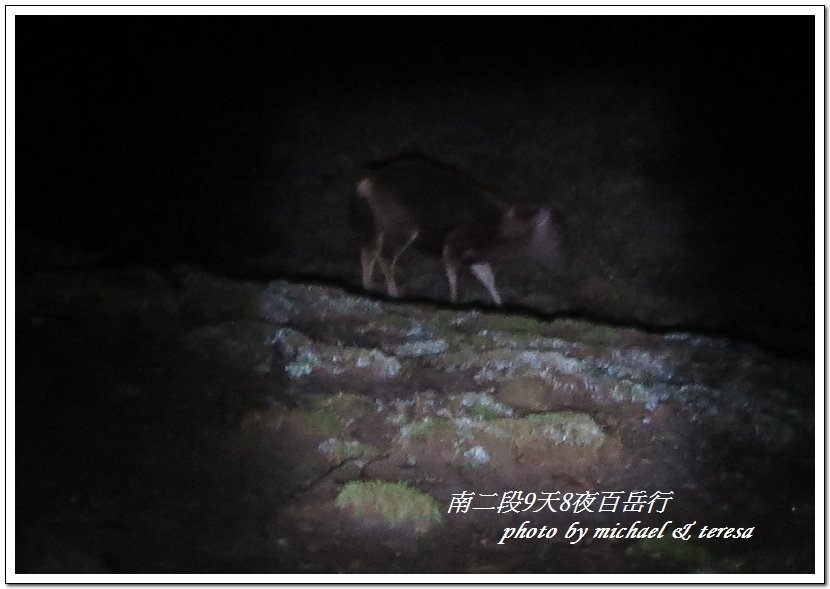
(679, 151)
(193, 139)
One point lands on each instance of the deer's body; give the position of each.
(415, 201)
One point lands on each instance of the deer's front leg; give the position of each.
(484, 273)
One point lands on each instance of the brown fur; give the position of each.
(415, 201)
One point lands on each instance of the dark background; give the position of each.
(680, 149)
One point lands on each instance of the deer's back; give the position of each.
(412, 192)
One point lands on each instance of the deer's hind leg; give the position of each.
(388, 267)
(451, 268)
(369, 255)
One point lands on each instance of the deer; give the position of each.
(415, 201)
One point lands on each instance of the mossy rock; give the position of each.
(392, 322)
(511, 323)
(335, 360)
(527, 392)
(347, 406)
(479, 405)
(318, 421)
(395, 504)
(417, 349)
(338, 450)
(561, 428)
(598, 334)
(427, 427)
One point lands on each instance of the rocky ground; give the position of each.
(169, 420)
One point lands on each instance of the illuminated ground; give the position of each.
(171, 421)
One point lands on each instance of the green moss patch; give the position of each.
(427, 427)
(321, 422)
(511, 323)
(394, 503)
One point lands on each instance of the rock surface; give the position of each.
(173, 421)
